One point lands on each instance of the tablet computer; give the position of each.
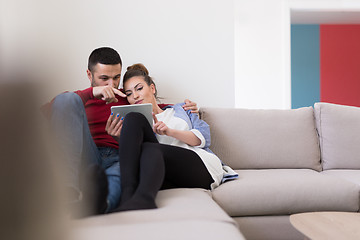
(145, 109)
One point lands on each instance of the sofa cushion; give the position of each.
(285, 191)
(181, 214)
(346, 174)
(173, 205)
(339, 134)
(253, 139)
(175, 230)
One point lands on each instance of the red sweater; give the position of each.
(98, 112)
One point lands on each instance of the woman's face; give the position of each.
(137, 91)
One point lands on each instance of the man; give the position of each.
(79, 119)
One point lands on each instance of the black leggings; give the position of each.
(146, 166)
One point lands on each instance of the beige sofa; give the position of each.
(288, 161)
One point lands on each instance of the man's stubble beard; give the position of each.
(93, 84)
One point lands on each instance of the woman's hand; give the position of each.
(160, 127)
(114, 125)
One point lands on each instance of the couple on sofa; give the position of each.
(116, 163)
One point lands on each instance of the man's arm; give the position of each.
(107, 93)
(85, 94)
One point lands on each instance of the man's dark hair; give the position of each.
(103, 55)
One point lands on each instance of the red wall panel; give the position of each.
(340, 64)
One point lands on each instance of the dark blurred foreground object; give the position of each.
(92, 199)
(30, 199)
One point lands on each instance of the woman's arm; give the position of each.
(187, 137)
(114, 125)
(200, 127)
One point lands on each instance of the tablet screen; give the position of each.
(145, 109)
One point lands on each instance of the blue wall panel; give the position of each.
(305, 65)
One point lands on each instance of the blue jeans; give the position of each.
(76, 143)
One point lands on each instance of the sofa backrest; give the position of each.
(256, 139)
(339, 135)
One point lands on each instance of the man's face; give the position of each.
(105, 75)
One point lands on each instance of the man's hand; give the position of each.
(114, 125)
(107, 93)
(160, 127)
(189, 105)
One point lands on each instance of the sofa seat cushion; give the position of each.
(339, 134)
(175, 230)
(349, 175)
(285, 191)
(173, 205)
(264, 138)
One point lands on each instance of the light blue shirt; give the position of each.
(194, 122)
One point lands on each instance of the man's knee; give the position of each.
(67, 101)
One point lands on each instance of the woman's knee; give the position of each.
(135, 118)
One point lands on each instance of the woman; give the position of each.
(177, 156)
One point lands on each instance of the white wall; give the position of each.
(187, 45)
(229, 53)
(262, 54)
